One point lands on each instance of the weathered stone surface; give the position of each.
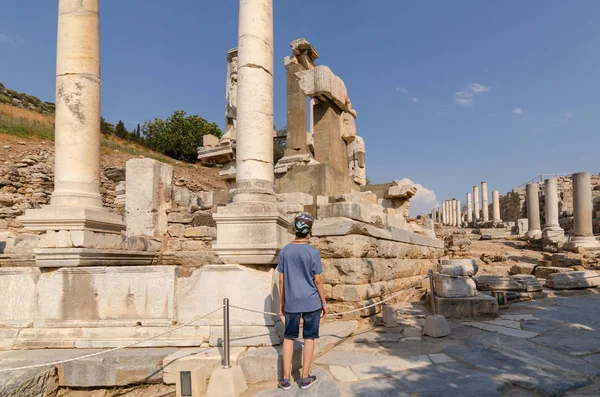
(176, 230)
(454, 286)
(370, 270)
(178, 217)
(321, 81)
(201, 231)
(531, 282)
(475, 306)
(573, 280)
(17, 294)
(93, 296)
(226, 382)
(119, 368)
(401, 191)
(194, 357)
(351, 246)
(149, 188)
(546, 271)
(105, 337)
(458, 267)
(498, 283)
(388, 366)
(362, 292)
(189, 258)
(523, 268)
(368, 213)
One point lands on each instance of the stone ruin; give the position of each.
(100, 259)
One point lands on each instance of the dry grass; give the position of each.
(25, 114)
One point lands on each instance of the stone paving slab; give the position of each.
(449, 380)
(574, 340)
(523, 369)
(349, 358)
(343, 374)
(375, 337)
(385, 367)
(325, 387)
(381, 387)
(502, 329)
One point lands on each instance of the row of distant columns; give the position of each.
(582, 233)
(451, 212)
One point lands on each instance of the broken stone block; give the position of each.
(522, 268)
(367, 213)
(201, 231)
(498, 283)
(454, 287)
(573, 280)
(522, 226)
(349, 127)
(458, 267)
(530, 282)
(149, 189)
(402, 191)
(321, 81)
(475, 306)
(546, 271)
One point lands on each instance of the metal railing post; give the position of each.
(226, 347)
(432, 292)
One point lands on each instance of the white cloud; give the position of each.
(465, 98)
(402, 90)
(518, 111)
(415, 100)
(568, 116)
(4, 38)
(423, 201)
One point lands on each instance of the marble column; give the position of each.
(249, 230)
(582, 235)
(458, 214)
(552, 230)
(484, 202)
(476, 199)
(469, 208)
(496, 206)
(445, 212)
(453, 212)
(76, 203)
(533, 211)
(296, 142)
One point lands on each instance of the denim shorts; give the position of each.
(311, 325)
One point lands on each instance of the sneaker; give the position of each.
(306, 383)
(284, 384)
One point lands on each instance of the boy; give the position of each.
(301, 295)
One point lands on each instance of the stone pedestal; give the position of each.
(533, 211)
(552, 232)
(476, 199)
(484, 202)
(469, 208)
(582, 235)
(496, 206)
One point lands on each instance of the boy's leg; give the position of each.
(309, 348)
(310, 333)
(288, 353)
(292, 328)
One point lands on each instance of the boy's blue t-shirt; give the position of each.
(299, 263)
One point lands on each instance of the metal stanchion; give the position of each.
(226, 347)
(432, 292)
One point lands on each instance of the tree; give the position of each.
(280, 143)
(120, 130)
(179, 136)
(105, 127)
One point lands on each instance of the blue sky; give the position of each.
(448, 93)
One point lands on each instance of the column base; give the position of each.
(585, 242)
(250, 233)
(553, 235)
(534, 234)
(57, 217)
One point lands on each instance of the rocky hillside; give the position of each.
(24, 101)
(27, 161)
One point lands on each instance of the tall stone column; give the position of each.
(469, 208)
(582, 235)
(484, 202)
(453, 212)
(533, 211)
(444, 213)
(458, 214)
(496, 206)
(76, 203)
(476, 198)
(296, 142)
(251, 230)
(552, 230)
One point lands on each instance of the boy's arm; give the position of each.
(281, 295)
(321, 291)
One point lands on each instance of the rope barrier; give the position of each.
(346, 312)
(109, 350)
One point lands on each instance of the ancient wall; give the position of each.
(512, 205)
(27, 181)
